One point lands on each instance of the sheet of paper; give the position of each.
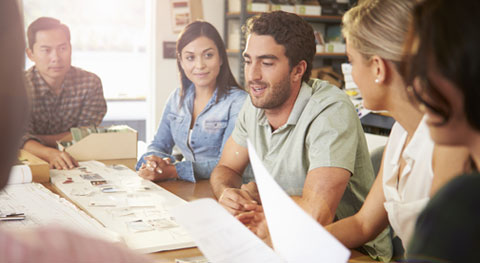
(220, 236)
(296, 236)
(139, 212)
(42, 207)
(20, 174)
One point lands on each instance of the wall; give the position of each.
(165, 76)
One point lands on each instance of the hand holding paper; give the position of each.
(295, 235)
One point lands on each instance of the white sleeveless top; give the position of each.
(407, 197)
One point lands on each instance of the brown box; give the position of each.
(40, 169)
(103, 146)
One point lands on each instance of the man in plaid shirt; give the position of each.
(62, 96)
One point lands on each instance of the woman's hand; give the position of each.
(157, 169)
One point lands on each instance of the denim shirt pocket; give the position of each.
(175, 122)
(213, 131)
(215, 126)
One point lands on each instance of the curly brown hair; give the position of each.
(290, 31)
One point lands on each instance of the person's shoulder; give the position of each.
(324, 91)
(30, 71)
(30, 75)
(235, 93)
(83, 74)
(325, 94)
(173, 100)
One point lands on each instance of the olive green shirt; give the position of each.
(323, 130)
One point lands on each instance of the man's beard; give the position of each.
(277, 94)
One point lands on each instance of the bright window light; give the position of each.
(109, 38)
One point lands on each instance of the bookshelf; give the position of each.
(235, 40)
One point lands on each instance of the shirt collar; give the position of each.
(418, 141)
(43, 87)
(190, 96)
(302, 99)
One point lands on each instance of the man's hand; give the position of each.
(157, 169)
(252, 190)
(237, 201)
(256, 222)
(60, 160)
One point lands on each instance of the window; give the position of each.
(109, 38)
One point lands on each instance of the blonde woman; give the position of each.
(412, 168)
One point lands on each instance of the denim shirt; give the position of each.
(211, 130)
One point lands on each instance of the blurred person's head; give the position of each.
(375, 33)
(49, 48)
(442, 63)
(13, 97)
(202, 59)
(278, 58)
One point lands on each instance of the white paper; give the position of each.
(42, 207)
(142, 202)
(295, 235)
(220, 236)
(20, 174)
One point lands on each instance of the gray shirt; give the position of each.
(323, 130)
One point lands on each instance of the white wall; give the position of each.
(165, 75)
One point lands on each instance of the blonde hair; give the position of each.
(378, 27)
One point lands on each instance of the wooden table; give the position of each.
(201, 189)
(189, 192)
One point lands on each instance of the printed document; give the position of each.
(295, 235)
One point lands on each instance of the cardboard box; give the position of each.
(334, 47)
(258, 7)
(40, 169)
(104, 146)
(308, 10)
(286, 8)
(234, 6)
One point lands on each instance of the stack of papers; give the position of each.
(137, 209)
(25, 204)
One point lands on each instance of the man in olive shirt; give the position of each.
(306, 132)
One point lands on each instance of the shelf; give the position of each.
(319, 19)
(322, 54)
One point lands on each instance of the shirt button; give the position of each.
(193, 142)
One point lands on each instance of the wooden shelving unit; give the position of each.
(324, 58)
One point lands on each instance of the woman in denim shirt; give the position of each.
(200, 116)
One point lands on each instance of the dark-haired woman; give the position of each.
(200, 116)
(443, 65)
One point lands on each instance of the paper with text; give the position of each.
(220, 236)
(42, 207)
(137, 209)
(20, 174)
(295, 235)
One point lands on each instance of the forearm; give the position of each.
(319, 210)
(38, 149)
(351, 232)
(223, 177)
(51, 139)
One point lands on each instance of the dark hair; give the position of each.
(444, 35)
(290, 31)
(44, 23)
(225, 80)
